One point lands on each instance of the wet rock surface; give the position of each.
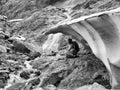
(31, 60)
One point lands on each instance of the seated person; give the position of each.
(73, 49)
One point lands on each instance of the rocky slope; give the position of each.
(30, 60)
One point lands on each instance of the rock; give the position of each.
(95, 86)
(25, 47)
(27, 87)
(18, 37)
(37, 73)
(4, 76)
(3, 35)
(50, 87)
(61, 89)
(28, 66)
(53, 79)
(19, 46)
(52, 43)
(3, 18)
(34, 82)
(17, 86)
(82, 72)
(2, 84)
(41, 63)
(3, 49)
(38, 89)
(25, 75)
(34, 55)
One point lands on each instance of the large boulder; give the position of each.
(52, 43)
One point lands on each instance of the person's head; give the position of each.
(69, 40)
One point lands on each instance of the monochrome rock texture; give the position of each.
(31, 58)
